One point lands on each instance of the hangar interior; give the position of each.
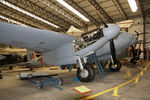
(74, 18)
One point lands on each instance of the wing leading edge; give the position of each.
(32, 38)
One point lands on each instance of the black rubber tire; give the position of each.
(91, 73)
(11, 68)
(116, 69)
(133, 61)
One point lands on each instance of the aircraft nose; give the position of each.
(111, 31)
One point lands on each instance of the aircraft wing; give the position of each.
(32, 38)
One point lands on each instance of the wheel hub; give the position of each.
(84, 73)
(114, 66)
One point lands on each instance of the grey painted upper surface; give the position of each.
(32, 38)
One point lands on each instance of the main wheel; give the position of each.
(116, 67)
(87, 75)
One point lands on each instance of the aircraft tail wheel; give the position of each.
(87, 75)
(116, 67)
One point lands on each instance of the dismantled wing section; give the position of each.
(32, 38)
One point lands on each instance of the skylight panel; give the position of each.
(28, 13)
(12, 21)
(73, 10)
(133, 5)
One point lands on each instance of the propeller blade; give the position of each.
(113, 50)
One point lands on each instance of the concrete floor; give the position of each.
(12, 88)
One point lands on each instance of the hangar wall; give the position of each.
(147, 31)
(137, 26)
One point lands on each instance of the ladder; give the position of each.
(94, 58)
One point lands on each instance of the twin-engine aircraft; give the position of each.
(60, 49)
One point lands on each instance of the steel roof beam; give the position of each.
(82, 11)
(25, 20)
(141, 8)
(101, 11)
(50, 4)
(19, 21)
(56, 20)
(3, 20)
(121, 10)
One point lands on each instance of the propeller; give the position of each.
(137, 34)
(113, 51)
(114, 65)
(136, 52)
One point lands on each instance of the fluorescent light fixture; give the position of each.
(72, 9)
(12, 21)
(133, 5)
(28, 13)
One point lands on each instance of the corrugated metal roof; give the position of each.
(87, 10)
